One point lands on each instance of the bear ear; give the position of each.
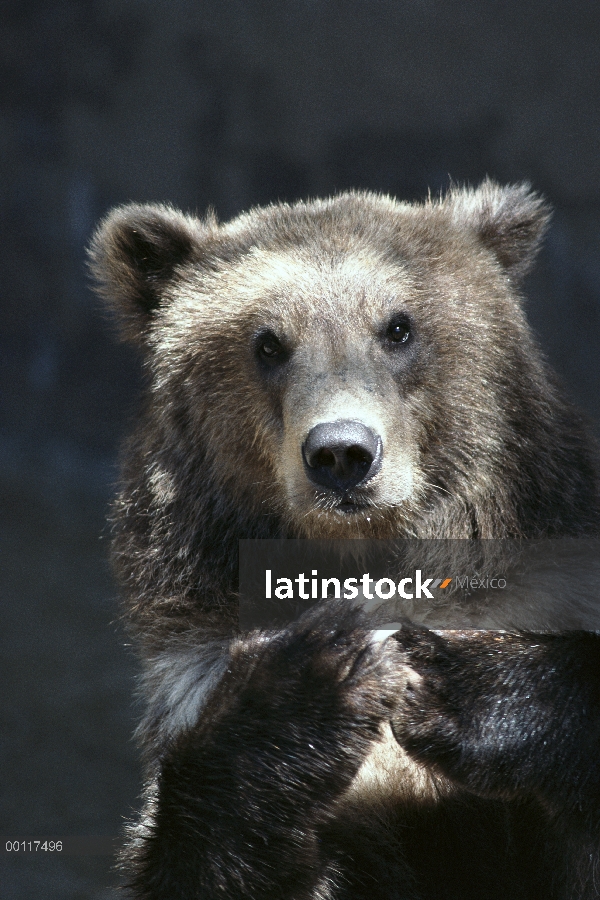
(135, 254)
(511, 221)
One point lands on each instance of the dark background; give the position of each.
(228, 103)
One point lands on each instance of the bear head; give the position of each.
(350, 367)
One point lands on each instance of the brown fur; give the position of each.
(291, 783)
(477, 439)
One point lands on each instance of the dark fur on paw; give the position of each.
(462, 711)
(306, 702)
(476, 707)
(324, 669)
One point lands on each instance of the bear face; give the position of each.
(354, 367)
(400, 325)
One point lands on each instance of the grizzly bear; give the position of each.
(352, 368)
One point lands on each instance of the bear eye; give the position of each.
(398, 331)
(270, 349)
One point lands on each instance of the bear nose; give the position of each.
(341, 455)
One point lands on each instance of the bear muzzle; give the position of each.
(341, 455)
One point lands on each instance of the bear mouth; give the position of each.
(342, 503)
(348, 506)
